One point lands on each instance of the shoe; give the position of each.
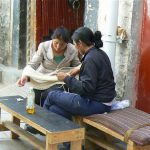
(32, 130)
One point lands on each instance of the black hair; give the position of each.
(88, 37)
(61, 33)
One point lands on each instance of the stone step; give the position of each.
(9, 75)
(8, 78)
(13, 89)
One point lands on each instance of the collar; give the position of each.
(90, 49)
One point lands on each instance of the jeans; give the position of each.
(40, 95)
(70, 104)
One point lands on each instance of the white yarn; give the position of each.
(39, 80)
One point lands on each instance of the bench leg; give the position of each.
(17, 122)
(76, 145)
(2, 128)
(131, 146)
(0, 115)
(50, 146)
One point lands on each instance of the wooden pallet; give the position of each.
(108, 130)
(56, 128)
(109, 135)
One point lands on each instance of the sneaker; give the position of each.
(120, 104)
(32, 130)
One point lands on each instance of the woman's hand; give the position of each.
(22, 80)
(62, 75)
(74, 71)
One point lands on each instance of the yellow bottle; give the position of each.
(30, 105)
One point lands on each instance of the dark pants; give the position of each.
(71, 104)
(40, 95)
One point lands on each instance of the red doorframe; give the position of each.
(143, 89)
(53, 13)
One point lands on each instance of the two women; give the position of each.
(95, 89)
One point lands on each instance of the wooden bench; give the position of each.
(129, 126)
(56, 128)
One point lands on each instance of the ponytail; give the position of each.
(88, 37)
(97, 39)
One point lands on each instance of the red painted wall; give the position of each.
(143, 89)
(54, 13)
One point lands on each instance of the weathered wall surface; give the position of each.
(13, 33)
(127, 53)
(130, 91)
(91, 14)
(123, 49)
(5, 17)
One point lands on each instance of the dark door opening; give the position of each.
(53, 13)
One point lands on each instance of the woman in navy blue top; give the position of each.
(94, 91)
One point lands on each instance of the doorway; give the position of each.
(53, 13)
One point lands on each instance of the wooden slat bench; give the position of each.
(130, 126)
(56, 128)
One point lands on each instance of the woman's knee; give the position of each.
(60, 111)
(52, 94)
(48, 101)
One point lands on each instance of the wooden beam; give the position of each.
(66, 136)
(25, 135)
(2, 128)
(17, 122)
(102, 143)
(103, 128)
(76, 145)
(17, 116)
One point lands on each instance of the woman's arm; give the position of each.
(88, 79)
(75, 71)
(34, 63)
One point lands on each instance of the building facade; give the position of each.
(25, 23)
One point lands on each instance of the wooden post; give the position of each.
(50, 146)
(76, 145)
(0, 115)
(17, 122)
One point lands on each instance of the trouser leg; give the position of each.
(74, 103)
(60, 111)
(40, 95)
